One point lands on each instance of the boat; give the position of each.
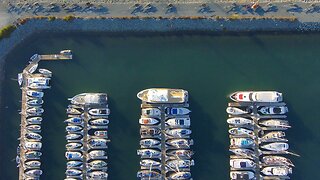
(148, 153)
(45, 72)
(67, 51)
(145, 174)
(70, 155)
(180, 143)
(97, 164)
(275, 123)
(33, 145)
(247, 175)
(72, 128)
(179, 132)
(148, 121)
(73, 111)
(97, 153)
(180, 153)
(74, 120)
(276, 146)
(163, 95)
(273, 136)
(35, 102)
(276, 160)
(33, 68)
(149, 142)
(239, 121)
(33, 164)
(176, 111)
(101, 134)
(276, 171)
(241, 132)
(242, 163)
(71, 164)
(75, 106)
(33, 155)
(98, 143)
(99, 111)
(72, 146)
(33, 136)
(248, 153)
(33, 128)
(149, 163)
(82, 99)
(35, 110)
(20, 79)
(273, 110)
(99, 122)
(73, 172)
(151, 112)
(36, 94)
(180, 163)
(179, 122)
(33, 172)
(150, 131)
(236, 111)
(34, 120)
(38, 86)
(98, 175)
(256, 96)
(180, 175)
(72, 136)
(242, 142)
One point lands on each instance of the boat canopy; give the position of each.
(160, 95)
(268, 96)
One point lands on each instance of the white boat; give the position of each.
(276, 160)
(148, 121)
(98, 143)
(67, 51)
(276, 171)
(148, 153)
(20, 79)
(70, 155)
(37, 86)
(35, 110)
(256, 96)
(149, 163)
(275, 123)
(73, 111)
(35, 102)
(99, 122)
(179, 132)
(248, 153)
(150, 131)
(176, 111)
(73, 172)
(149, 142)
(34, 120)
(151, 112)
(72, 146)
(276, 146)
(74, 120)
(33, 172)
(180, 143)
(272, 110)
(241, 132)
(236, 111)
(242, 163)
(101, 134)
(148, 174)
(71, 164)
(45, 72)
(239, 121)
(37, 94)
(180, 175)
(180, 163)
(99, 111)
(92, 98)
(33, 68)
(97, 164)
(241, 142)
(73, 128)
(33, 164)
(181, 153)
(33, 145)
(247, 175)
(98, 175)
(72, 136)
(179, 122)
(33, 136)
(33, 128)
(163, 95)
(274, 136)
(33, 155)
(97, 153)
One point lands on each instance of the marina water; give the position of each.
(208, 66)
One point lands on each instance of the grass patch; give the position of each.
(6, 31)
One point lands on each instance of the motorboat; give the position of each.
(163, 95)
(34, 172)
(67, 51)
(99, 111)
(33, 164)
(276, 160)
(180, 143)
(73, 172)
(242, 142)
(242, 163)
(101, 134)
(176, 111)
(33, 128)
(239, 121)
(97, 153)
(180, 153)
(179, 122)
(37, 86)
(241, 132)
(35, 102)
(256, 96)
(145, 174)
(72, 136)
(20, 79)
(35, 110)
(236, 111)
(99, 122)
(71, 155)
(273, 110)
(82, 99)
(18, 160)
(247, 175)
(148, 121)
(72, 146)
(273, 136)
(71, 164)
(149, 142)
(33, 145)
(179, 132)
(73, 111)
(98, 175)
(275, 123)
(74, 120)
(151, 112)
(276, 146)
(150, 131)
(180, 175)
(97, 164)
(33, 155)
(45, 72)
(148, 153)
(33, 136)
(276, 170)
(248, 153)
(180, 163)
(98, 143)
(36, 94)
(33, 67)
(75, 106)
(149, 163)
(34, 120)
(72, 128)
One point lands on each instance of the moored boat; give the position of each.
(101, 134)
(276, 160)
(82, 99)
(256, 96)
(35, 102)
(273, 136)
(150, 131)
(180, 175)
(163, 95)
(236, 111)
(34, 120)
(33, 145)
(241, 142)
(99, 122)
(148, 121)
(33, 164)
(97, 164)
(33, 136)
(248, 153)
(275, 123)
(99, 112)
(149, 163)
(247, 175)
(148, 153)
(73, 111)
(98, 175)
(176, 111)
(34, 172)
(273, 110)
(72, 136)
(239, 121)
(276, 146)
(97, 143)
(151, 112)
(33, 155)
(241, 132)
(37, 94)
(144, 174)
(179, 122)
(45, 72)
(73, 128)
(182, 163)
(33, 128)
(72, 146)
(70, 155)
(180, 153)
(97, 153)
(179, 132)
(276, 171)
(73, 172)
(71, 164)
(74, 120)
(35, 110)
(242, 163)
(149, 142)
(180, 143)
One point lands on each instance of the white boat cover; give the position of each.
(159, 95)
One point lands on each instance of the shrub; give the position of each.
(69, 18)
(6, 31)
(51, 18)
